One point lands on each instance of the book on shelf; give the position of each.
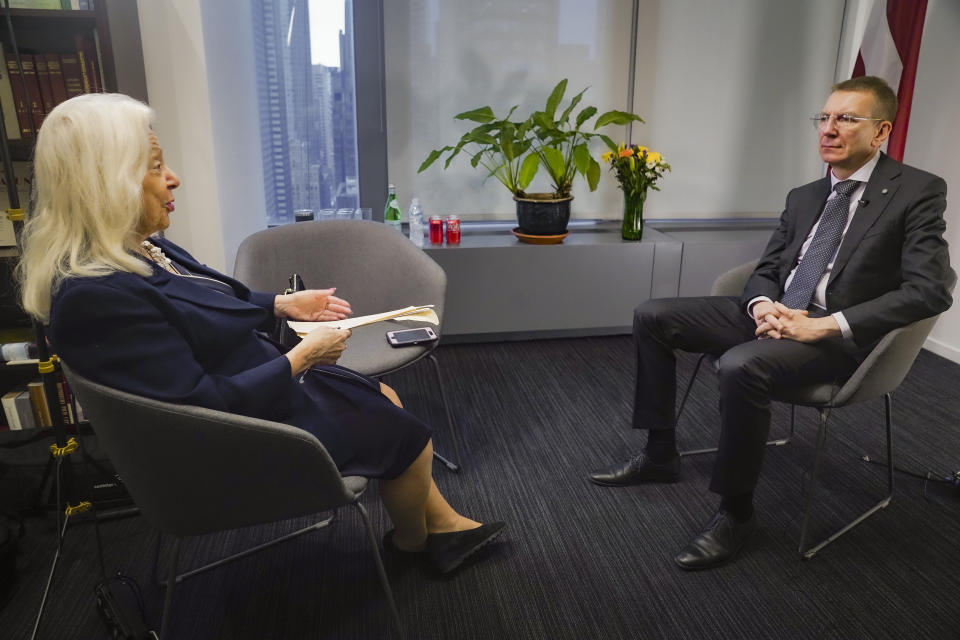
(57, 87)
(82, 71)
(89, 48)
(33, 89)
(72, 80)
(25, 411)
(23, 174)
(21, 104)
(68, 405)
(9, 402)
(41, 409)
(27, 408)
(43, 82)
(10, 121)
(89, 66)
(48, 79)
(8, 237)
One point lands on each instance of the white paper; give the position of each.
(423, 313)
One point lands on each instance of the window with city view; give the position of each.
(306, 95)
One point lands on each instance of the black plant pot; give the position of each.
(542, 214)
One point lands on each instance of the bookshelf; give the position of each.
(34, 34)
(46, 31)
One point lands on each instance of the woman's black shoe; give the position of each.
(447, 551)
(392, 548)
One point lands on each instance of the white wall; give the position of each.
(200, 80)
(725, 88)
(443, 58)
(933, 139)
(235, 118)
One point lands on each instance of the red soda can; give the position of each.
(436, 230)
(453, 229)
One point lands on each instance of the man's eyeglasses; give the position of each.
(843, 120)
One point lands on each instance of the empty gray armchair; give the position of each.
(195, 471)
(372, 266)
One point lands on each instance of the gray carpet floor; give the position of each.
(576, 561)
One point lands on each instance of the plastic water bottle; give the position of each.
(391, 211)
(415, 222)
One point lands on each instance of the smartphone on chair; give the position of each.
(409, 337)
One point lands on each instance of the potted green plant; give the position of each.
(513, 150)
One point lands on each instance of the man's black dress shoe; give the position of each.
(447, 551)
(716, 544)
(637, 470)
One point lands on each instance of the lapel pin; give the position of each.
(884, 191)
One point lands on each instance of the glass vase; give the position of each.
(632, 228)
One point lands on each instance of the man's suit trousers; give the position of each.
(750, 371)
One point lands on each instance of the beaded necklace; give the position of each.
(156, 254)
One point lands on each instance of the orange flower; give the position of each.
(626, 153)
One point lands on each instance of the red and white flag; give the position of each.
(886, 40)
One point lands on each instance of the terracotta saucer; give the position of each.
(524, 237)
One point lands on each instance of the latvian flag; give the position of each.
(887, 41)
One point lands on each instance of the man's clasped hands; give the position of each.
(775, 321)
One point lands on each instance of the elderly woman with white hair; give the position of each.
(133, 311)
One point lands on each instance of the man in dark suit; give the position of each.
(856, 254)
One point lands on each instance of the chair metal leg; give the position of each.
(171, 586)
(823, 416)
(449, 464)
(381, 572)
(686, 393)
(443, 393)
(246, 552)
(156, 561)
(809, 553)
(779, 442)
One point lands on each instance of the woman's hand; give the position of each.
(311, 305)
(323, 345)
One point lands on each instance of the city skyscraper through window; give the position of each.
(307, 111)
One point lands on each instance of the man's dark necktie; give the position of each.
(822, 247)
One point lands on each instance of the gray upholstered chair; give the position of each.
(194, 471)
(373, 267)
(877, 377)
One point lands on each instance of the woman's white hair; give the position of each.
(91, 156)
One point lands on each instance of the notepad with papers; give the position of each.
(423, 313)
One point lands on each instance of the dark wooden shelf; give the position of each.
(45, 31)
(21, 150)
(49, 14)
(17, 366)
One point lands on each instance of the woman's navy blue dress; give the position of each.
(197, 340)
